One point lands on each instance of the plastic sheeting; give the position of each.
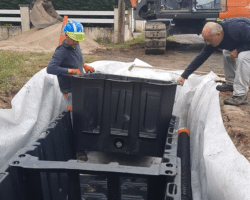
(219, 171)
(33, 107)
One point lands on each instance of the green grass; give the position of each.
(16, 68)
(171, 39)
(90, 59)
(139, 39)
(6, 69)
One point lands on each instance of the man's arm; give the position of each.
(199, 60)
(196, 63)
(245, 38)
(181, 80)
(55, 62)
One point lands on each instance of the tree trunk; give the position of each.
(121, 21)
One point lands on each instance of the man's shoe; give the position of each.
(236, 100)
(81, 156)
(225, 87)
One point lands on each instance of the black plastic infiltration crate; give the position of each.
(122, 114)
(47, 170)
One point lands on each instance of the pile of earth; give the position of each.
(43, 40)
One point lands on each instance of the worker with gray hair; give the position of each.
(233, 36)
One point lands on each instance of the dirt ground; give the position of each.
(178, 55)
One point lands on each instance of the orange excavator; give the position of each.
(172, 17)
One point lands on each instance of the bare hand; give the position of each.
(181, 80)
(234, 53)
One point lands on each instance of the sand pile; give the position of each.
(43, 40)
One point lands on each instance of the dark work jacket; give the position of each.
(236, 36)
(65, 58)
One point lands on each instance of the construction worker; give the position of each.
(66, 60)
(233, 36)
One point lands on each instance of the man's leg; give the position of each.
(68, 98)
(80, 154)
(242, 75)
(229, 69)
(241, 81)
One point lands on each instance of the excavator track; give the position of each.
(155, 38)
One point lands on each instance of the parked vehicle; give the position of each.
(172, 17)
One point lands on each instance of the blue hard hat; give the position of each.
(74, 30)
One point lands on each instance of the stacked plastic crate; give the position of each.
(116, 117)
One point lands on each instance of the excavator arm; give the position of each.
(43, 14)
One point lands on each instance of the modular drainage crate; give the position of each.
(46, 169)
(122, 114)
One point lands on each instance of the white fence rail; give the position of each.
(93, 17)
(89, 13)
(10, 19)
(10, 12)
(66, 12)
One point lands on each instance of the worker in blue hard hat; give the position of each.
(68, 59)
(74, 33)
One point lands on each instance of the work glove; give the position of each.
(88, 68)
(74, 71)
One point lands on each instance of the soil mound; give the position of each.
(43, 40)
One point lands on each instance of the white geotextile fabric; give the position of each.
(33, 107)
(218, 171)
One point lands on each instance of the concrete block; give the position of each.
(14, 30)
(100, 34)
(25, 16)
(128, 33)
(4, 33)
(9, 31)
(137, 34)
(140, 25)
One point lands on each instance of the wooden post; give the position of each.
(121, 21)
